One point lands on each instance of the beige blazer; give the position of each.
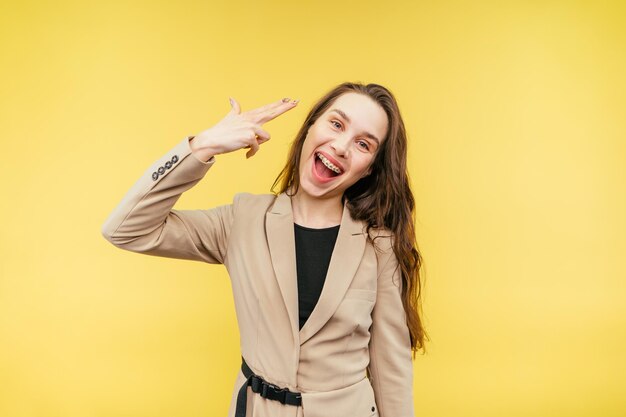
(352, 357)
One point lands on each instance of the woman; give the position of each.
(324, 273)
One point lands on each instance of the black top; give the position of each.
(314, 248)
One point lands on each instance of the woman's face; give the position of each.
(348, 135)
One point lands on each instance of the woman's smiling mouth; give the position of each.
(327, 162)
(324, 170)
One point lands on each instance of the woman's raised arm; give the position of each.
(144, 220)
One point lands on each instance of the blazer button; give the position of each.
(174, 159)
(161, 170)
(155, 175)
(168, 164)
(373, 409)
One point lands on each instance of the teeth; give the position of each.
(328, 163)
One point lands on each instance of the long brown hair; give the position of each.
(381, 199)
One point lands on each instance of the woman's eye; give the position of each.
(366, 144)
(337, 123)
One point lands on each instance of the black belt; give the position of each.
(267, 390)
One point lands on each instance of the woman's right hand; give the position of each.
(239, 130)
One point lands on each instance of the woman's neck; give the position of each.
(316, 212)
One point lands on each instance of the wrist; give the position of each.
(200, 151)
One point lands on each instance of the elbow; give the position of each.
(119, 242)
(108, 233)
(134, 242)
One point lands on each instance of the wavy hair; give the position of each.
(381, 199)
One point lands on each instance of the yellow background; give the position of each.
(516, 117)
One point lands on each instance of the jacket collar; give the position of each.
(345, 259)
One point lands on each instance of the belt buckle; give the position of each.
(281, 394)
(273, 392)
(263, 392)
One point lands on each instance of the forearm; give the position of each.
(146, 206)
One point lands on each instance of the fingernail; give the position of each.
(295, 101)
(286, 99)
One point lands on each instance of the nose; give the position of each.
(340, 144)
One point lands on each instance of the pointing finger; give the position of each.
(269, 106)
(273, 110)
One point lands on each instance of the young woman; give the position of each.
(324, 273)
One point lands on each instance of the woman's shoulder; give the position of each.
(383, 238)
(380, 232)
(382, 241)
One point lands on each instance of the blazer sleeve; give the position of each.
(145, 222)
(391, 367)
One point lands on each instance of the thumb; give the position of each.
(235, 106)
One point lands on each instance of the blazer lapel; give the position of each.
(282, 246)
(345, 259)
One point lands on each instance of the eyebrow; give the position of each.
(345, 116)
